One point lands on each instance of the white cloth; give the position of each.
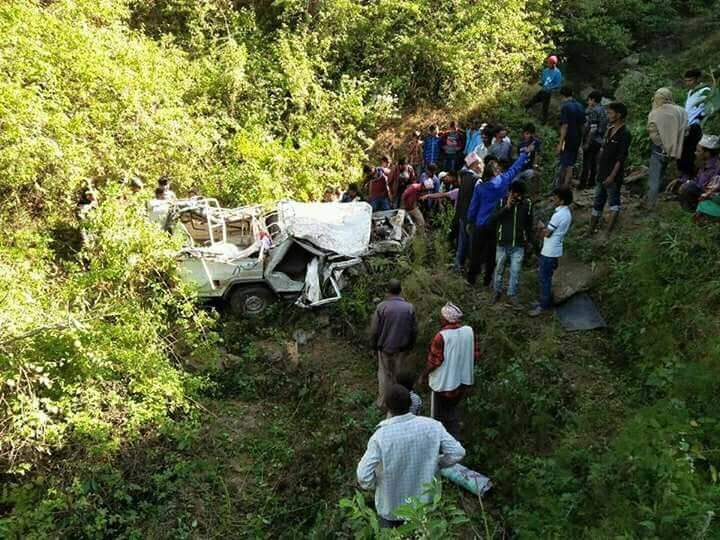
(559, 225)
(403, 455)
(694, 104)
(458, 360)
(158, 210)
(451, 313)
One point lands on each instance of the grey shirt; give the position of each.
(393, 327)
(596, 123)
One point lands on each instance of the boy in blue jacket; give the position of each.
(486, 196)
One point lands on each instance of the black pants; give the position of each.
(446, 412)
(541, 97)
(482, 253)
(686, 163)
(589, 171)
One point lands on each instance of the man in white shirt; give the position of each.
(159, 207)
(404, 454)
(553, 237)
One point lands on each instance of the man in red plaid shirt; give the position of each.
(450, 367)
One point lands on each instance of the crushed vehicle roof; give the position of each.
(226, 246)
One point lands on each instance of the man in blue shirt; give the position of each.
(572, 123)
(550, 81)
(431, 146)
(486, 196)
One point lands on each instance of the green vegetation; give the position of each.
(127, 412)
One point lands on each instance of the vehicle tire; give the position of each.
(250, 301)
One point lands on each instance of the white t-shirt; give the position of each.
(559, 225)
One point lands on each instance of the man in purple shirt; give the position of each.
(707, 155)
(393, 331)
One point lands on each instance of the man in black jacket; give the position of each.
(468, 176)
(514, 221)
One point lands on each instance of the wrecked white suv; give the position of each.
(249, 257)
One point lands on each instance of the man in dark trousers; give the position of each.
(611, 170)
(469, 175)
(596, 122)
(572, 122)
(393, 331)
(486, 196)
(450, 370)
(695, 109)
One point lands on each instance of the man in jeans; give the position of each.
(596, 122)
(403, 455)
(553, 237)
(514, 222)
(667, 123)
(393, 331)
(612, 167)
(486, 196)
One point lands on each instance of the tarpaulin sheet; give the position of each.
(580, 313)
(342, 228)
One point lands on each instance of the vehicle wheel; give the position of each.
(251, 301)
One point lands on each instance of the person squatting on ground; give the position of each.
(572, 122)
(403, 455)
(514, 222)
(393, 331)
(485, 198)
(552, 249)
(691, 189)
(667, 123)
(596, 122)
(450, 370)
(611, 167)
(550, 82)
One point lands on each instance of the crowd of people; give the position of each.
(492, 183)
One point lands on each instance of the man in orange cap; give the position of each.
(550, 81)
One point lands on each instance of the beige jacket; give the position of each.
(667, 123)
